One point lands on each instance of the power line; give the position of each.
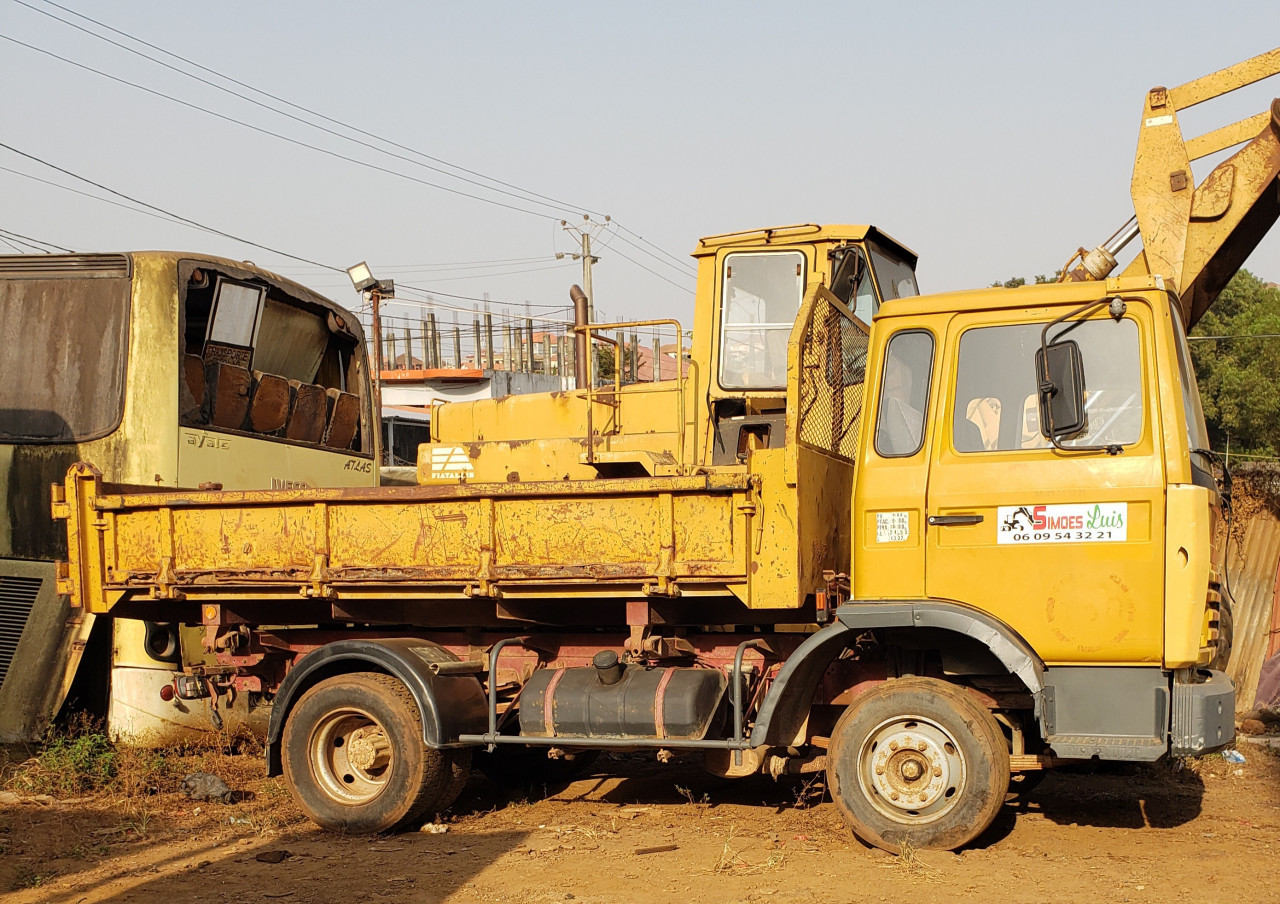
(197, 225)
(34, 243)
(528, 194)
(345, 125)
(685, 271)
(473, 265)
(286, 138)
(1241, 336)
(682, 262)
(175, 216)
(559, 210)
(85, 194)
(493, 274)
(649, 270)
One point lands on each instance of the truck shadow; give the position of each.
(1115, 795)
(305, 864)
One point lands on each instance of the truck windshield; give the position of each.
(760, 297)
(63, 358)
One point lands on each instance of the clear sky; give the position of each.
(992, 138)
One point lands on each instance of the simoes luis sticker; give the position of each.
(1092, 522)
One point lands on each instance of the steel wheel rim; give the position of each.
(912, 770)
(351, 756)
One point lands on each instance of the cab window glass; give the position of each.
(852, 284)
(996, 406)
(904, 394)
(896, 276)
(760, 297)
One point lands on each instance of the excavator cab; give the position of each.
(752, 292)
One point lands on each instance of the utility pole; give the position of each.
(375, 299)
(583, 235)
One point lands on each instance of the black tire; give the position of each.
(459, 762)
(354, 758)
(918, 762)
(516, 766)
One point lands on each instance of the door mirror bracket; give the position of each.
(1061, 381)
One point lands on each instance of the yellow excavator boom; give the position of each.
(1197, 236)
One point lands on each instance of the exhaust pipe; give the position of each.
(581, 348)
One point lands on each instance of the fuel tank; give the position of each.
(613, 700)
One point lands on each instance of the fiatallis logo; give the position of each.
(1097, 522)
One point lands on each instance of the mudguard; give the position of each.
(450, 704)
(787, 703)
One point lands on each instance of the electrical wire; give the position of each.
(496, 267)
(524, 193)
(34, 243)
(658, 248)
(650, 270)
(345, 125)
(559, 209)
(491, 275)
(175, 216)
(1240, 336)
(75, 191)
(278, 135)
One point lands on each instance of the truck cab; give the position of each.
(1092, 546)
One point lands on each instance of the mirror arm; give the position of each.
(1116, 308)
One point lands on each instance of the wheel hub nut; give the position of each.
(368, 751)
(911, 770)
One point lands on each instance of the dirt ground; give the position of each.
(1206, 832)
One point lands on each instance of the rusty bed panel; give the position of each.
(466, 540)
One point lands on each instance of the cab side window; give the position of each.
(904, 394)
(996, 406)
(761, 295)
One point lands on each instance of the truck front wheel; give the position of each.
(354, 757)
(917, 762)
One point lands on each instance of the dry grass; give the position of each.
(909, 862)
(731, 860)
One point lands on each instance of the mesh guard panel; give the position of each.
(833, 362)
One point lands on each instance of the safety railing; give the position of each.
(592, 394)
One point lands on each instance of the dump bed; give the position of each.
(559, 539)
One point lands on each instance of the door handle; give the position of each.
(943, 520)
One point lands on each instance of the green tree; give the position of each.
(1239, 385)
(1016, 281)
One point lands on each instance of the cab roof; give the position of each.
(1032, 296)
(803, 233)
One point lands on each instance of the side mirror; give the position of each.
(1060, 373)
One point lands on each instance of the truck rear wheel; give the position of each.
(354, 757)
(918, 762)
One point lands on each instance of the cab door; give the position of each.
(894, 454)
(1066, 547)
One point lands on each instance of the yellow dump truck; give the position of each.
(967, 541)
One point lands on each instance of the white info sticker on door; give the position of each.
(893, 527)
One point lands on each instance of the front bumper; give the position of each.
(1204, 713)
